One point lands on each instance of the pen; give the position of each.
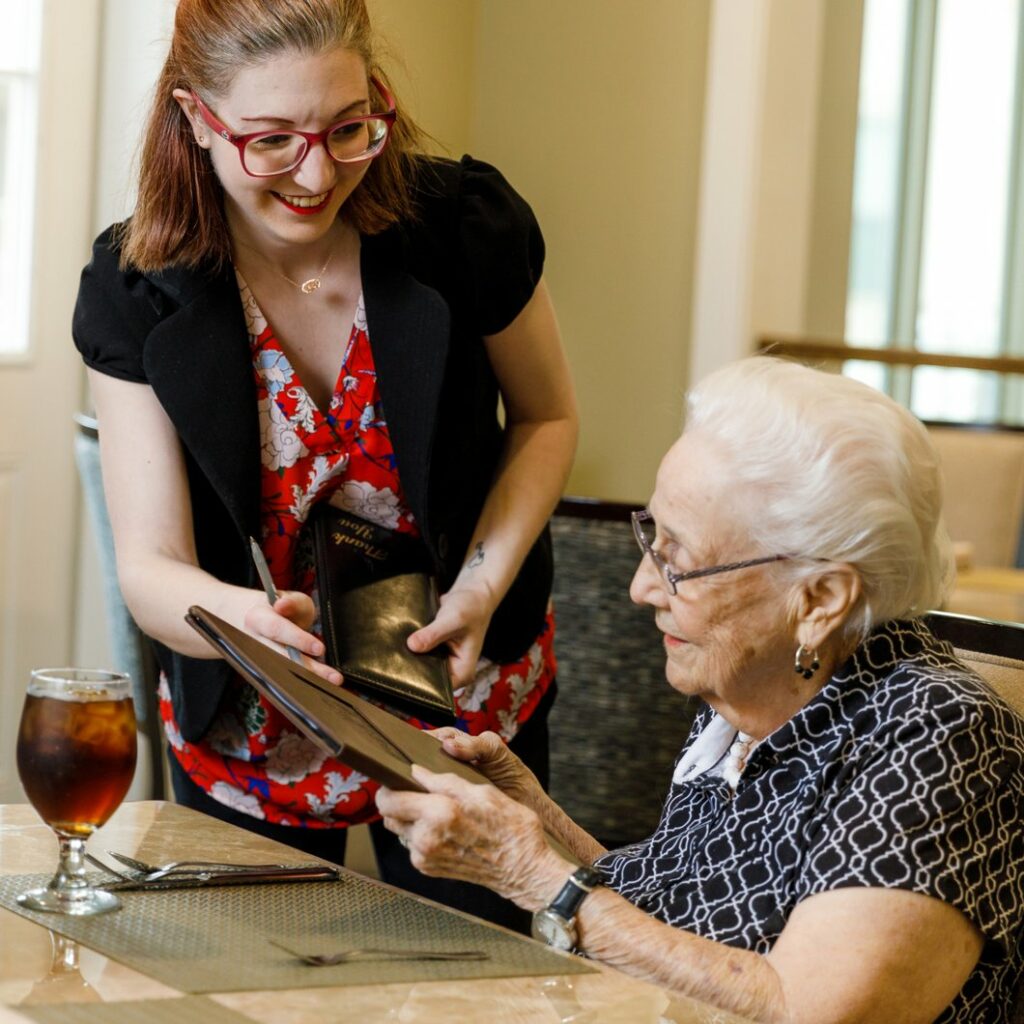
(268, 586)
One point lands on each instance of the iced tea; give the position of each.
(76, 754)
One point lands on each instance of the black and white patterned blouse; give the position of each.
(905, 771)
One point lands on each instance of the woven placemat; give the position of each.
(220, 939)
(186, 1010)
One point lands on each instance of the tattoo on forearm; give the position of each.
(477, 557)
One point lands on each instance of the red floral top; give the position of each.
(252, 758)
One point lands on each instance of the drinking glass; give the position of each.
(76, 760)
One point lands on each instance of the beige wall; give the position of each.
(430, 53)
(832, 198)
(592, 108)
(690, 162)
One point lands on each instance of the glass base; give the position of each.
(77, 902)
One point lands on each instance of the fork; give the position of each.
(347, 956)
(107, 868)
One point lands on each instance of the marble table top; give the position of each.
(39, 968)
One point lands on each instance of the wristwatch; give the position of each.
(555, 924)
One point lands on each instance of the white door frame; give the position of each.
(38, 484)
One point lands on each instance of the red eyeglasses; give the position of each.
(266, 154)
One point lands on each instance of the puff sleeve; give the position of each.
(501, 247)
(114, 313)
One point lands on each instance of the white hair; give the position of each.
(835, 470)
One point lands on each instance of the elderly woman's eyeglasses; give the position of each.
(266, 154)
(644, 530)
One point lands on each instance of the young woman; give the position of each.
(301, 309)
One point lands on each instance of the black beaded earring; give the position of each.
(809, 668)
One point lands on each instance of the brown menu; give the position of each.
(346, 726)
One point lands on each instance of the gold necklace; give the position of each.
(311, 284)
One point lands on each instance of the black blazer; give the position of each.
(432, 288)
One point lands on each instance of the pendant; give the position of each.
(310, 286)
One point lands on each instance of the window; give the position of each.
(19, 74)
(933, 259)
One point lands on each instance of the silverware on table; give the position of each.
(152, 872)
(366, 954)
(268, 587)
(316, 873)
(235, 874)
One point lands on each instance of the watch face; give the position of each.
(553, 930)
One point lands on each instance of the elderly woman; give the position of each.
(842, 839)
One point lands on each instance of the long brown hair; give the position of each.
(179, 215)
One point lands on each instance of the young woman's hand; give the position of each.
(461, 623)
(286, 624)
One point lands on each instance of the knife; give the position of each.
(268, 586)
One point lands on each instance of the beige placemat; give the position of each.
(186, 1010)
(218, 939)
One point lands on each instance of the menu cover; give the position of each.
(346, 726)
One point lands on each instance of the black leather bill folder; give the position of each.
(376, 588)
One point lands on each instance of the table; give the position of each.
(33, 960)
(989, 594)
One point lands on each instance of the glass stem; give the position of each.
(65, 955)
(70, 874)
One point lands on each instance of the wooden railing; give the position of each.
(814, 348)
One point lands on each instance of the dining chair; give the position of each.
(130, 651)
(995, 650)
(616, 726)
(983, 492)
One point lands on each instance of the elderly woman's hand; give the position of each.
(491, 756)
(474, 832)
